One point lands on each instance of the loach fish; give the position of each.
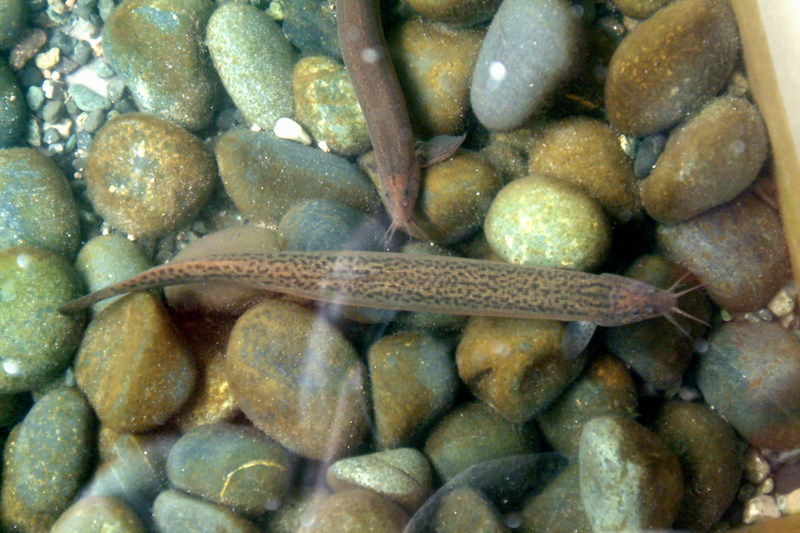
(374, 80)
(412, 282)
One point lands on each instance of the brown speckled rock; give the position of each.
(736, 250)
(413, 381)
(147, 176)
(515, 365)
(670, 64)
(297, 379)
(98, 514)
(355, 511)
(750, 376)
(434, 64)
(456, 12)
(640, 9)
(586, 152)
(467, 509)
(707, 161)
(134, 365)
(473, 433)
(558, 508)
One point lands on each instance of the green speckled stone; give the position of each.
(630, 479)
(558, 507)
(237, 466)
(50, 455)
(38, 342)
(38, 207)
(355, 511)
(107, 259)
(13, 16)
(750, 377)
(710, 454)
(545, 222)
(329, 225)
(670, 64)
(147, 176)
(98, 514)
(434, 64)
(655, 349)
(12, 108)
(326, 104)
(403, 475)
(158, 47)
(133, 364)
(254, 61)
(515, 365)
(265, 176)
(605, 387)
(737, 250)
(413, 381)
(707, 161)
(297, 379)
(467, 509)
(586, 152)
(473, 433)
(176, 511)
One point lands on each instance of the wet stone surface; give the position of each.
(355, 511)
(749, 375)
(297, 379)
(237, 466)
(146, 176)
(98, 513)
(176, 511)
(691, 44)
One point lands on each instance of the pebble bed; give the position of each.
(603, 135)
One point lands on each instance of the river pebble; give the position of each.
(310, 25)
(265, 176)
(211, 400)
(473, 433)
(670, 64)
(515, 365)
(630, 479)
(157, 47)
(297, 379)
(558, 508)
(544, 222)
(329, 225)
(38, 207)
(586, 152)
(355, 511)
(132, 469)
(227, 298)
(707, 161)
(403, 475)
(176, 511)
(133, 364)
(107, 259)
(456, 12)
(326, 104)
(413, 381)
(640, 9)
(38, 341)
(711, 457)
(146, 176)
(434, 64)
(13, 16)
(12, 108)
(604, 388)
(530, 50)
(467, 509)
(98, 514)
(46, 459)
(737, 251)
(254, 61)
(237, 466)
(749, 375)
(656, 349)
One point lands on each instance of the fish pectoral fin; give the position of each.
(576, 338)
(438, 149)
